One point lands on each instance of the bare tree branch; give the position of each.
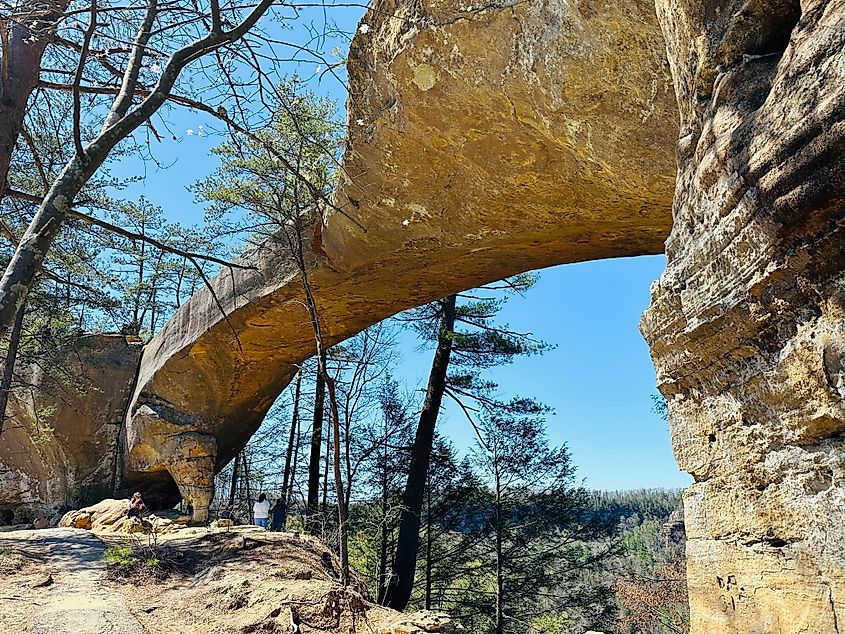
(77, 80)
(54, 208)
(131, 235)
(222, 115)
(216, 22)
(133, 67)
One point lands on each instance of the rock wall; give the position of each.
(60, 441)
(746, 325)
(483, 142)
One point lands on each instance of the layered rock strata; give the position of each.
(483, 141)
(746, 325)
(59, 443)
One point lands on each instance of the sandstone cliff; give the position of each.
(60, 442)
(746, 324)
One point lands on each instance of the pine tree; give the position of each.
(541, 533)
(467, 341)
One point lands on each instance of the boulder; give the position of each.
(109, 516)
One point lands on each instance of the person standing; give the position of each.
(261, 511)
(279, 513)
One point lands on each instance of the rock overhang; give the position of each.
(482, 142)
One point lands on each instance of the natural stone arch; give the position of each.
(473, 127)
(467, 161)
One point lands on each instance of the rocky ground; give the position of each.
(194, 580)
(51, 581)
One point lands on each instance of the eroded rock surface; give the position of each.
(60, 443)
(109, 516)
(747, 323)
(484, 141)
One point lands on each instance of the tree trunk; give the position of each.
(500, 574)
(342, 510)
(136, 325)
(311, 304)
(245, 467)
(289, 495)
(294, 425)
(120, 123)
(21, 68)
(313, 502)
(428, 545)
(324, 505)
(9, 367)
(382, 560)
(401, 582)
(234, 486)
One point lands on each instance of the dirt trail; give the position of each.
(76, 598)
(242, 580)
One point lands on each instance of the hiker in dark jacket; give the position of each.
(279, 513)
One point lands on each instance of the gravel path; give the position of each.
(78, 601)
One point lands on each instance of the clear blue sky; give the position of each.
(599, 379)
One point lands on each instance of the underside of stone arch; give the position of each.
(482, 143)
(492, 140)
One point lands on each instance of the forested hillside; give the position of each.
(507, 534)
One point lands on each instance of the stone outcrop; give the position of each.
(109, 516)
(746, 325)
(483, 141)
(488, 140)
(673, 534)
(60, 442)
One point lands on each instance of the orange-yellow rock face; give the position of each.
(60, 444)
(746, 324)
(483, 142)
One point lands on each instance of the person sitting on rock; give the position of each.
(227, 514)
(136, 506)
(261, 511)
